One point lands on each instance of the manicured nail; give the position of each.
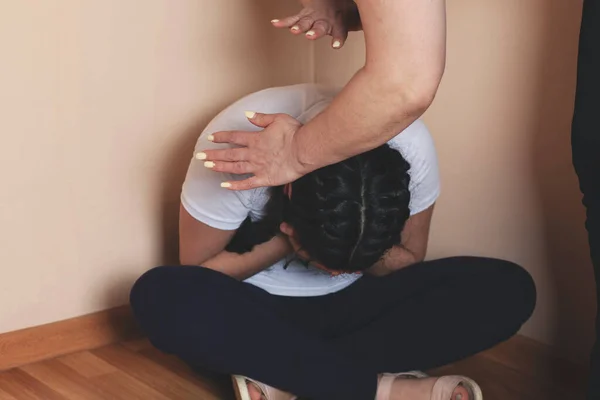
(459, 397)
(295, 28)
(225, 185)
(201, 156)
(209, 164)
(250, 114)
(337, 44)
(210, 138)
(310, 33)
(274, 21)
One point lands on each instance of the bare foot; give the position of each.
(420, 389)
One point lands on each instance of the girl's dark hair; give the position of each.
(345, 216)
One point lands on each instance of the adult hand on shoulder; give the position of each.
(320, 18)
(270, 155)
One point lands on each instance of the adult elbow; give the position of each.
(410, 94)
(415, 99)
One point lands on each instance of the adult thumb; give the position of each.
(260, 120)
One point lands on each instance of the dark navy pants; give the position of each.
(332, 347)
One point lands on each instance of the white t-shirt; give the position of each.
(206, 201)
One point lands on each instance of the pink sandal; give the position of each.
(240, 385)
(442, 389)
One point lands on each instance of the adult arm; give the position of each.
(200, 244)
(405, 59)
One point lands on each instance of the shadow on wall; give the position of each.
(175, 165)
(286, 58)
(567, 253)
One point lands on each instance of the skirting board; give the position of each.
(90, 331)
(539, 362)
(39, 343)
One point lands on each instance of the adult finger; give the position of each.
(228, 155)
(319, 29)
(303, 25)
(286, 22)
(246, 184)
(241, 138)
(261, 120)
(238, 167)
(339, 34)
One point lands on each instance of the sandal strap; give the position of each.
(270, 393)
(384, 389)
(444, 387)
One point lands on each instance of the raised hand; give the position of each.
(321, 18)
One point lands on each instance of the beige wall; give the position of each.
(101, 103)
(501, 122)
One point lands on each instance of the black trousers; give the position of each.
(332, 347)
(586, 148)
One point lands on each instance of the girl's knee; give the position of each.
(151, 284)
(514, 287)
(524, 290)
(501, 285)
(161, 290)
(165, 299)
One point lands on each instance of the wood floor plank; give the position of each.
(221, 387)
(502, 382)
(137, 344)
(64, 380)
(5, 396)
(122, 386)
(87, 365)
(24, 387)
(147, 371)
(137, 371)
(42, 342)
(539, 362)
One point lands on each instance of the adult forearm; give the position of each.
(368, 112)
(405, 60)
(243, 266)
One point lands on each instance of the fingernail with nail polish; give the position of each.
(250, 114)
(225, 185)
(295, 28)
(310, 33)
(209, 164)
(201, 156)
(210, 138)
(274, 21)
(337, 44)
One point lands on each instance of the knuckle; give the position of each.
(233, 137)
(238, 168)
(228, 155)
(252, 141)
(306, 21)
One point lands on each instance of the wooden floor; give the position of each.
(135, 370)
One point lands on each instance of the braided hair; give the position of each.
(346, 216)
